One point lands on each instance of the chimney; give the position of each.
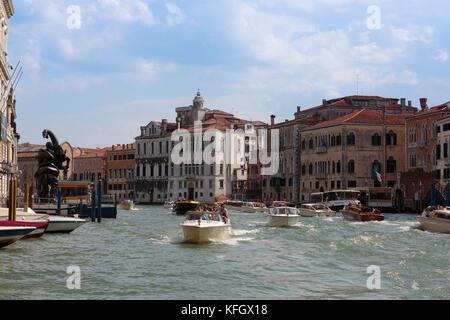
(409, 103)
(164, 126)
(324, 102)
(112, 147)
(178, 123)
(298, 108)
(142, 131)
(403, 102)
(272, 120)
(123, 147)
(286, 120)
(423, 103)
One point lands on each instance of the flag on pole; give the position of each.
(377, 176)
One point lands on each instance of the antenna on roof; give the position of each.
(357, 84)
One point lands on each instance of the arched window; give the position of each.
(338, 140)
(351, 139)
(376, 140)
(303, 144)
(333, 140)
(351, 166)
(391, 138)
(338, 167)
(391, 165)
(310, 169)
(303, 169)
(311, 143)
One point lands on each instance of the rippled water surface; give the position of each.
(141, 255)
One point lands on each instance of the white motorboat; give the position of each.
(251, 207)
(202, 227)
(234, 205)
(169, 204)
(56, 223)
(9, 235)
(315, 210)
(63, 224)
(435, 219)
(126, 205)
(283, 217)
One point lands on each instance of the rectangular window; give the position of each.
(221, 184)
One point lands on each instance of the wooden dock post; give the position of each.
(99, 210)
(25, 198)
(32, 197)
(12, 200)
(93, 206)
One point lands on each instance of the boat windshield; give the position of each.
(330, 196)
(319, 207)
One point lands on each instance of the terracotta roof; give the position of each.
(435, 109)
(215, 111)
(28, 147)
(363, 116)
(120, 147)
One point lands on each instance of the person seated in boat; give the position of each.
(224, 213)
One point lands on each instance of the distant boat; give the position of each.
(315, 210)
(9, 235)
(435, 220)
(283, 217)
(40, 227)
(360, 213)
(235, 205)
(202, 227)
(126, 205)
(251, 207)
(169, 204)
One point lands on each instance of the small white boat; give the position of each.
(63, 224)
(202, 227)
(169, 204)
(234, 205)
(283, 217)
(435, 219)
(251, 207)
(9, 235)
(316, 210)
(126, 205)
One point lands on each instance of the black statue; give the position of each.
(50, 161)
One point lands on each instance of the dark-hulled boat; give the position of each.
(360, 213)
(41, 227)
(183, 206)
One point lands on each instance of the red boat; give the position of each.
(363, 214)
(41, 227)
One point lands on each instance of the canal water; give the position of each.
(141, 255)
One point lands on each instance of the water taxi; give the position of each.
(315, 210)
(251, 207)
(337, 199)
(202, 227)
(183, 206)
(283, 217)
(435, 219)
(360, 213)
(9, 235)
(125, 205)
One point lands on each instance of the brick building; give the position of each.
(120, 166)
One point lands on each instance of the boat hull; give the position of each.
(58, 224)
(279, 220)
(438, 225)
(354, 216)
(318, 213)
(9, 235)
(205, 232)
(126, 206)
(234, 208)
(40, 227)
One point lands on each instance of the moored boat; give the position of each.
(283, 217)
(435, 219)
(9, 235)
(360, 213)
(183, 206)
(59, 224)
(201, 227)
(315, 210)
(126, 205)
(40, 227)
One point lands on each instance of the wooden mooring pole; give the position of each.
(25, 198)
(32, 197)
(12, 200)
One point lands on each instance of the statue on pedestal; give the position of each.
(51, 160)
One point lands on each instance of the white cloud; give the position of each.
(176, 16)
(413, 33)
(442, 55)
(128, 11)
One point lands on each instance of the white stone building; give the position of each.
(9, 137)
(441, 158)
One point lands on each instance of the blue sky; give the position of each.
(133, 61)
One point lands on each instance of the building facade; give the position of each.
(8, 133)
(120, 166)
(341, 153)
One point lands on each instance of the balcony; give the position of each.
(321, 149)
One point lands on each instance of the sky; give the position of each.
(97, 70)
